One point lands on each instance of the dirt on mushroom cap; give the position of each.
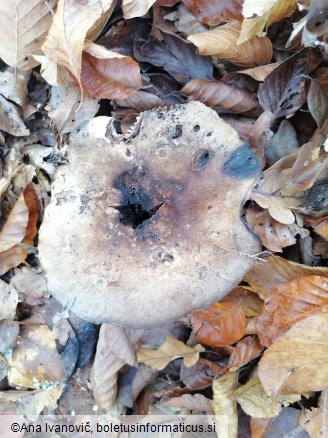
(145, 228)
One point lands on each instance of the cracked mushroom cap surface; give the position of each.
(145, 228)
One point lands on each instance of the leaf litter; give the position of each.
(264, 346)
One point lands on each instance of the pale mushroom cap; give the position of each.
(187, 174)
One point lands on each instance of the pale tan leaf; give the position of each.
(297, 362)
(261, 72)
(107, 8)
(170, 350)
(222, 43)
(30, 282)
(273, 234)
(224, 404)
(136, 8)
(14, 229)
(114, 350)
(255, 401)
(8, 300)
(266, 13)
(12, 258)
(278, 207)
(41, 364)
(66, 110)
(29, 402)
(24, 25)
(64, 44)
(13, 87)
(10, 119)
(195, 402)
(315, 420)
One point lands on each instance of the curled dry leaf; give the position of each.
(222, 43)
(108, 75)
(64, 43)
(220, 324)
(245, 298)
(283, 91)
(8, 301)
(136, 8)
(267, 275)
(278, 207)
(212, 12)
(13, 86)
(196, 402)
(260, 15)
(289, 303)
(222, 96)
(282, 143)
(14, 228)
(170, 350)
(41, 365)
(114, 350)
(24, 28)
(187, 23)
(321, 228)
(273, 234)
(66, 110)
(246, 350)
(224, 403)
(15, 255)
(297, 362)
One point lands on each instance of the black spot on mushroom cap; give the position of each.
(201, 159)
(243, 163)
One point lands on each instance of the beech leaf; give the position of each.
(170, 350)
(214, 12)
(24, 25)
(221, 42)
(136, 8)
(297, 362)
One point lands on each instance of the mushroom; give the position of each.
(145, 228)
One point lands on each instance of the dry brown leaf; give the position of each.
(14, 228)
(315, 420)
(114, 350)
(259, 427)
(222, 43)
(321, 228)
(170, 350)
(249, 301)
(222, 96)
(187, 23)
(136, 8)
(289, 303)
(278, 207)
(67, 111)
(246, 350)
(297, 362)
(225, 405)
(24, 25)
(10, 119)
(200, 375)
(41, 365)
(274, 235)
(317, 100)
(261, 14)
(64, 44)
(107, 74)
(220, 324)
(214, 12)
(8, 301)
(267, 275)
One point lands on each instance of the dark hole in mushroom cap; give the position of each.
(136, 205)
(201, 159)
